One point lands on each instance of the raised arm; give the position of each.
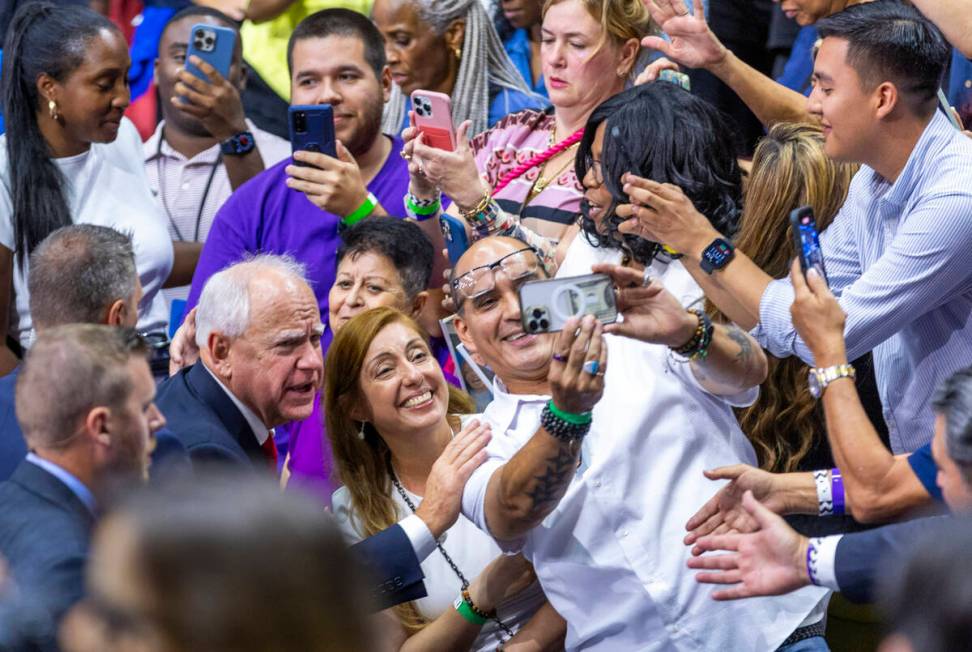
(954, 18)
(522, 492)
(693, 45)
(879, 485)
(731, 363)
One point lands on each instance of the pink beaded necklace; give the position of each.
(539, 159)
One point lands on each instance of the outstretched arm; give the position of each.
(693, 45)
(522, 492)
(953, 17)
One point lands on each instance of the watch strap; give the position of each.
(827, 375)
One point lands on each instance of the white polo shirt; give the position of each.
(610, 557)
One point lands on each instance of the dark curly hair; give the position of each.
(661, 132)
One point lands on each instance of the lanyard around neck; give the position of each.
(202, 202)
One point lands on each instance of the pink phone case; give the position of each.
(433, 117)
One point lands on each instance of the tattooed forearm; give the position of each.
(737, 335)
(550, 485)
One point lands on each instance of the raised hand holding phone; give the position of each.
(433, 118)
(818, 317)
(806, 239)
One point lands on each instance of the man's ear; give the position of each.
(155, 72)
(117, 314)
(463, 332)
(887, 98)
(218, 347)
(418, 303)
(96, 425)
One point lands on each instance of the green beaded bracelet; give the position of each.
(581, 419)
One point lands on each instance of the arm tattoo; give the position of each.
(745, 345)
(550, 485)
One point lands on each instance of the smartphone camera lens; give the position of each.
(300, 122)
(532, 326)
(537, 313)
(544, 324)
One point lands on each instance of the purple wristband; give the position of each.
(812, 563)
(837, 491)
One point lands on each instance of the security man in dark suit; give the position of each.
(85, 401)
(80, 273)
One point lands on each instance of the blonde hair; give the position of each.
(363, 464)
(621, 20)
(790, 169)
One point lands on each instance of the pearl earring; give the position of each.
(361, 431)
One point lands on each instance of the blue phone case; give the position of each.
(807, 241)
(454, 232)
(212, 44)
(312, 129)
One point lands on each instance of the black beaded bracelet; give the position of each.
(561, 428)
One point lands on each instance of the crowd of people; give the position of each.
(263, 397)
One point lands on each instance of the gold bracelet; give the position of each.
(480, 207)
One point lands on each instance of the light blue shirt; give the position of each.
(76, 486)
(899, 257)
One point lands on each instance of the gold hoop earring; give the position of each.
(52, 108)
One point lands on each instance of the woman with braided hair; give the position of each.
(518, 178)
(449, 46)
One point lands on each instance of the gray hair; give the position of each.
(224, 305)
(484, 63)
(954, 402)
(77, 272)
(69, 371)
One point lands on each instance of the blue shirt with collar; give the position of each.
(77, 487)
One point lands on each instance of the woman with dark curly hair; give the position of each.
(661, 132)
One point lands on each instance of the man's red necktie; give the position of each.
(270, 450)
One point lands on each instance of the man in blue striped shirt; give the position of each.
(899, 253)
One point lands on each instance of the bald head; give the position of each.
(483, 253)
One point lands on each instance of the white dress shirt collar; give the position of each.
(260, 429)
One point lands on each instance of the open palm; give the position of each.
(692, 43)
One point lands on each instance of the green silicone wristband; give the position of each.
(363, 211)
(431, 209)
(577, 419)
(466, 612)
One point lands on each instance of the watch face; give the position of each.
(814, 383)
(716, 255)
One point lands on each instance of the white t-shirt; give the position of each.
(107, 187)
(471, 549)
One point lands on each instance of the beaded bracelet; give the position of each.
(422, 209)
(564, 426)
(473, 213)
(697, 348)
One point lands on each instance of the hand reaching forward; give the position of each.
(651, 313)
(770, 561)
(817, 317)
(692, 42)
(724, 512)
(183, 351)
(443, 488)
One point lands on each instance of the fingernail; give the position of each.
(813, 272)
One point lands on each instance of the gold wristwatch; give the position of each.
(818, 379)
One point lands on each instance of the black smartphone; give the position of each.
(312, 129)
(807, 241)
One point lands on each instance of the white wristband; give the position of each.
(825, 499)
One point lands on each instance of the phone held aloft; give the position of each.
(433, 118)
(546, 305)
(212, 44)
(312, 129)
(806, 240)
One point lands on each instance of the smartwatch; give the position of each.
(238, 145)
(717, 255)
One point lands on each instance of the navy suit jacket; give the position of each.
(861, 555)
(12, 445)
(393, 566)
(207, 422)
(44, 534)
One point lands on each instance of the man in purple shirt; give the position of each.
(336, 57)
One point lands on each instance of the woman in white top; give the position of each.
(69, 156)
(390, 414)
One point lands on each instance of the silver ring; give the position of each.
(646, 278)
(591, 367)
